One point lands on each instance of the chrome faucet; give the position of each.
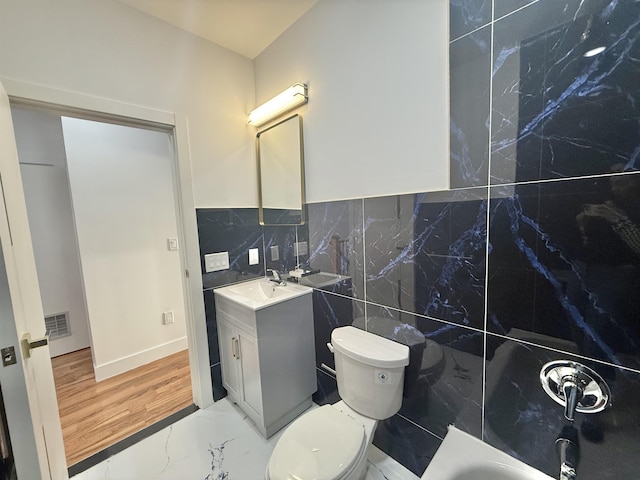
(275, 277)
(568, 448)
(576, 387)
(572, 391)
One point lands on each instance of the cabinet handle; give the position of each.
(233, 347)
(237, 349)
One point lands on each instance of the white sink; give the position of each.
(261, 293)
(464, 457)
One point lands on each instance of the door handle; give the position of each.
(28, 344)
(237, 348)
(233, 347)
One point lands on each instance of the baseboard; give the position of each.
(124, 364)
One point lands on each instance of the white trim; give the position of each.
(193, 294)
(124, 364)
(194, 300)
(30, 91)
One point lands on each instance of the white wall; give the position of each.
(377, 118)
(124, 207)
(46, 188)
(106, 49)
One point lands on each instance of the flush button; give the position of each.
(8, 356)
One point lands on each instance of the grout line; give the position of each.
(264, 250)
(419, 426)
(471, 32)
(298, 254)
(446, 322)
(563, 179)
(488, 217)
(511, 13)
(577, 355)
(493, 20)
(364, 269)
(439, 320)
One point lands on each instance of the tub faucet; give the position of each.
(568, 449)
(572, 391)
(575, 386)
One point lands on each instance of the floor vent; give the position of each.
(57, 326)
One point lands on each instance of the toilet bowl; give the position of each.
(328, 443)
(331, 442)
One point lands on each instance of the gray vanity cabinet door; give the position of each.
(250, 366)
(230, 370)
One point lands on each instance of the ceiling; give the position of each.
(244, 26)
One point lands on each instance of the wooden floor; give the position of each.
(97, 415)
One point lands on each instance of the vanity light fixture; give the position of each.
(292, 97)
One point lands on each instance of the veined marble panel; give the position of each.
(565, 262)
(425, 253)
(559, 110)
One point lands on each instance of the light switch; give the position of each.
(275, 253)
(172, 243)
(254, 256)
(214, 262)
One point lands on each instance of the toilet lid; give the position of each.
(322, 445)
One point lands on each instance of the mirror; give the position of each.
(281, 173)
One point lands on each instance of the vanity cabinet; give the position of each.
(268, 358)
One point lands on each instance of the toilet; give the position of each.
(331, 442)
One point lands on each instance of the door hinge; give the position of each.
(186, 273)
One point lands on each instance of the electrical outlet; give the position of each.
(167, 317)
(275, 253)
(300, 248)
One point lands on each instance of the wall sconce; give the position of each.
(283, 102)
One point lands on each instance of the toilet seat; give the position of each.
(323, 444)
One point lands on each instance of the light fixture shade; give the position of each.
(283, 102)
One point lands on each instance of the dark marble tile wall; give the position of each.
(552, 127)
(233, 230)
(425, 253)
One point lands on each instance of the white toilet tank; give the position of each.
(370, 371)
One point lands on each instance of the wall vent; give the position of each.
(57, 326)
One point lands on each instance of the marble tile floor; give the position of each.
(216, 443)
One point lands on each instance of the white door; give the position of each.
(28, 386)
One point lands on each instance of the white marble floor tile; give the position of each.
(217, 443)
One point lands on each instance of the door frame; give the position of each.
(98, 108)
